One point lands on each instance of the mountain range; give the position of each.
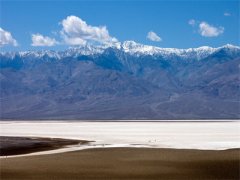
(125, 81)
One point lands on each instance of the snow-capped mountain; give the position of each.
(126, 81)
(140, 49)
(129, 47)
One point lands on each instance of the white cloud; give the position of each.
(192, 22)
(227, 14)
(208, 30)
(40, 40)
(6, 38)
(75, 31)
(153, 36)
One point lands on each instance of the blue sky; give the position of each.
(179, 24)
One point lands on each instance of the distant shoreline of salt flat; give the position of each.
(215, 135)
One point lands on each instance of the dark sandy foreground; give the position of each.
(24, 145)
(125, 163)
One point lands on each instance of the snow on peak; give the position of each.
(129, 44)
(230, 46)
(130, 47)
(84, 50)
(136, 48)
(90, 49)
(140, 49)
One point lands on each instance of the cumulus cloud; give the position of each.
(192, 22)
(6, 38)
(227, 14)
(208, 30)
(153, 36)
(75, 31)
(40, 40)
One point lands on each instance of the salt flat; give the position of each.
(184, 135)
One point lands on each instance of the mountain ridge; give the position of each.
(130, 47)
(114, 84)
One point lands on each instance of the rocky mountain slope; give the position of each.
(128, 81)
